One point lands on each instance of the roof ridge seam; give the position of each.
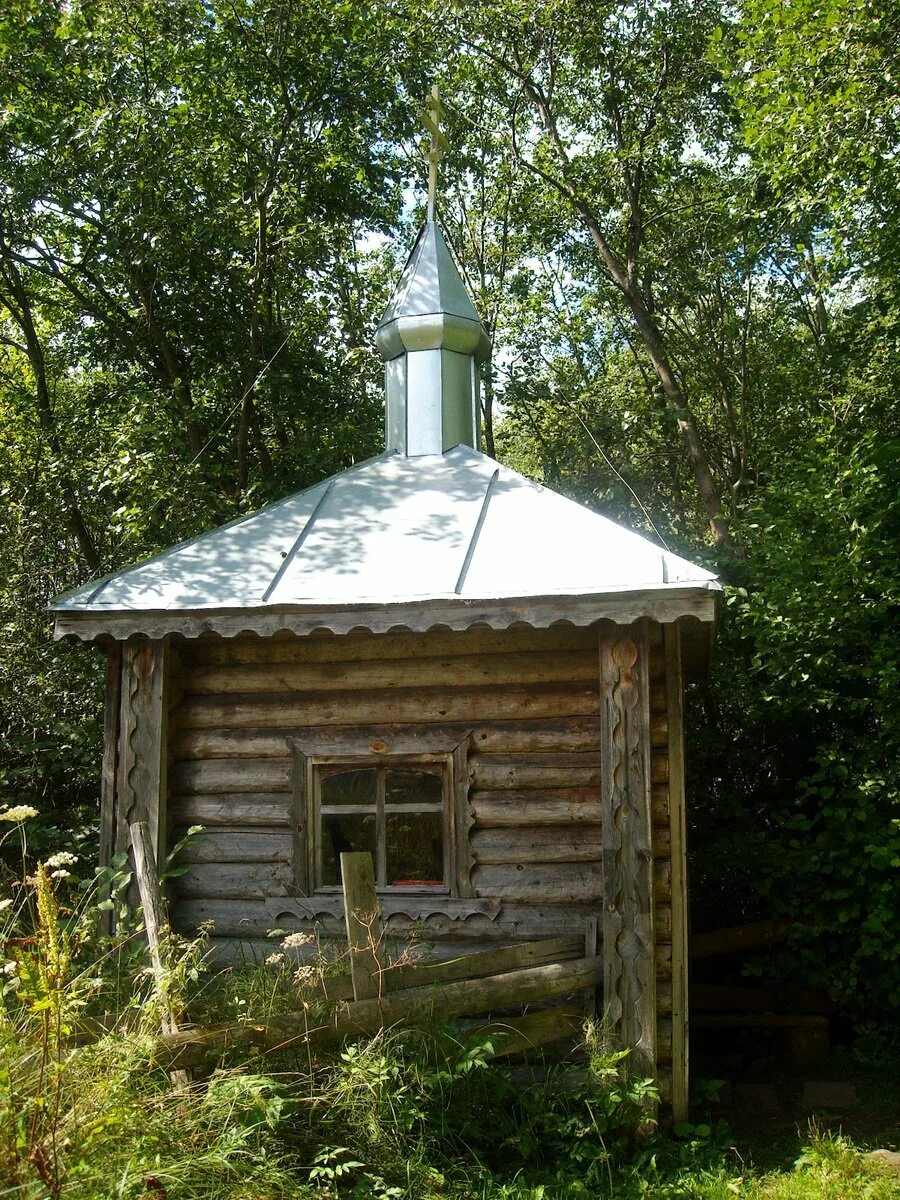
(473, 540)
(298, 541)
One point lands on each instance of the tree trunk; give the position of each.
(20, 310)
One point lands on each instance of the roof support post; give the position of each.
(143, 741)
(629, 978)
(677, 818)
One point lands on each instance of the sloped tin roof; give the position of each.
(456, 528)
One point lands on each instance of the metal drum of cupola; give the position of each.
(431, 339)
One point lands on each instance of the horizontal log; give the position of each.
(237, 846)
(363, 647)
(464, 966)
(662, 880)
(237, 918)
(462, 670)
(664, 996)
(519, 1035)
(540, 882)
(489, 775)
(571, 734)
(707, 997)
(257, 950)
(466, 997)
(659, 766)
(578, 843)
(664, 1040)
(509, 809)
(739, 937)
(239, 880)
(757, 1021)
(295, 710)
(211, 775)
(229, 808)
(660, 801)
(547, 842)
(662, 920)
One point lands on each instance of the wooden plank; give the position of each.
(237, 845)
(363, 925)
(437, 706)
(142, 785)
(519, 1035)
(153, 912)
(463, 670)
(520, 775)
(466, 966)
(510, 989)
(658, 604)
(537, 883)
(362, 647)
(628, 883)
(271, 809)
(511, 809)
(576, 843)
(678, 848)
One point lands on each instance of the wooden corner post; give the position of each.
(143, 738)
(677, 819)
(629, 979)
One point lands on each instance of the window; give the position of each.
(409, 811)
(396, 813)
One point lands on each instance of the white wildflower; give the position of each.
(295, 940)
(304, 975)
(18, 812)
(61, 874)
(274, 960)
(5, 904)
(61, 859)
(10, 968)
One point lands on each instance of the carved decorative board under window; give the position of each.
(409, 812)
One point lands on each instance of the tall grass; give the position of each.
(419, 1114)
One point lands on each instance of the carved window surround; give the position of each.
(450, 758)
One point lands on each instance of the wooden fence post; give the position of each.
(363, 924)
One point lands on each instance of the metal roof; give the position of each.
(456, 527)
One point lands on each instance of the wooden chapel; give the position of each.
(430, 658)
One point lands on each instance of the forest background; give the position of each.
(681, 224)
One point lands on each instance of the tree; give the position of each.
(603, 105)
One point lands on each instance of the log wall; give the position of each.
(529, 697)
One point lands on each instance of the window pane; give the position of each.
(412, 787)
(415, 849)
(349, 787)
(340, 835)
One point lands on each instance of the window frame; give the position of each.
(449, 761)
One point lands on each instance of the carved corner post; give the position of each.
(629, 976)
(111, 712)
(143, 744)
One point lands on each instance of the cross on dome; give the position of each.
(431, 118)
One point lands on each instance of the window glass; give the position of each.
(415, 849)
(349, 787)
(412, 788)
(341, 835)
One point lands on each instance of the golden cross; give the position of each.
(431, 118)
